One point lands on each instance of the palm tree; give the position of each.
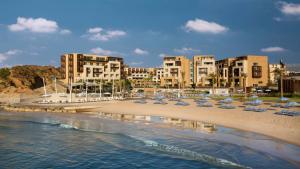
(279, 72)
(213, 77)
(244, 76)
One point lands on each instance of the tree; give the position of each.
(244, 76)
(279, 72)
(4, 73)
(213, 81)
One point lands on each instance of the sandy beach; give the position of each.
(285, 128)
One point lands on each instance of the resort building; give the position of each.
(158, 75)
(76, 67)
(176, 72)
(203, 66)
(143, 77)
(223, 72)
(250, 70)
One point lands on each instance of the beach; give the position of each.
(285, 128)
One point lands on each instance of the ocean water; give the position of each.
(49, 140)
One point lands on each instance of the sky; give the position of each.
(144, 31)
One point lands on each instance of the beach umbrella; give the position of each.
(254, 97)
(283, 99)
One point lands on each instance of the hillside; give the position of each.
(27, 78)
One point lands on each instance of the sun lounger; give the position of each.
(159, 102)
(227, 106)
(141, 101)
(206, 104)
(182, 103)
(288, 113)
(290, 104)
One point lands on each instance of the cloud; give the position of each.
(273, 49)
(101, 51)
(278, 19)
(162, 55)
(203, 26)
(65, 32)
(95, 30)
(99, 34)
(139, 51)
(13, 52)
(4, 56)
(38, 25)
(186, 50)
(136, 63)
(289, 8)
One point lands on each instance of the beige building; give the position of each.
(158, 74)
(143, 77)
(231, 71)
(76, 67)
(176, 72)
(204, 65)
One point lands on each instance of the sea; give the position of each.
(57, 140)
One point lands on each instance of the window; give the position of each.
(240, 64)
(256, 71)
(236, 72)
(203, 71)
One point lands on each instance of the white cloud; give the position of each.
(4, 56)
(65, 31)
(203, 26)
(136, 63)
(95, 30)
(278, 19)
(38, 25)
(186, 50)
(162, 55)
(13, 52)
(289, 8)
(99, 34)
(101, 51)
(273, 49)
(139, 51)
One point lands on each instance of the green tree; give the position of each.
(4, 73)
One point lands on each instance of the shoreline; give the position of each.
(284, 128)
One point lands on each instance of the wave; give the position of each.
(191, 154)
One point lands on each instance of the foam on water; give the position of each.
(190, 154)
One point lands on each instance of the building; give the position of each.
(291, 85)
(157, 76)
(76, 67)
(203, 66)
(223, 72)
(273, 75)
(176, 72)
(251, 70)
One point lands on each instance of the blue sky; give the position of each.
(143, 31)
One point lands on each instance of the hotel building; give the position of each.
(204, 65)
(76, 67)
(231, 71)
(176, 72)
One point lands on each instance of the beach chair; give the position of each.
(287, 113)
(181, 103)
(205, 104)
(227, 106)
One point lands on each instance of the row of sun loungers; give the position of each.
(288, 113)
